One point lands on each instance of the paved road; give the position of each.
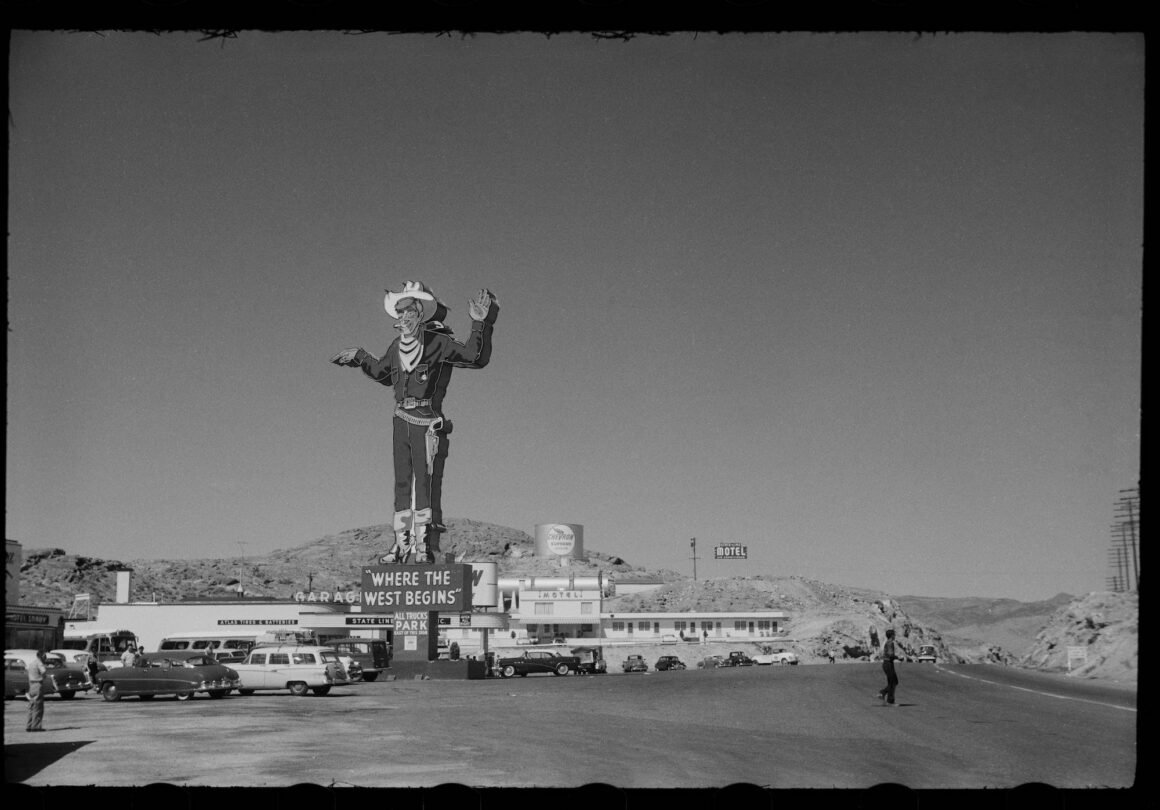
(786, 727)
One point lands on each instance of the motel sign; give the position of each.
(731, 551)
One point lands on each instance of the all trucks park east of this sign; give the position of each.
(395, 588)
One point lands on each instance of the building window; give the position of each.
(738, 625)
(543, 608)
(678, 625)
(618, 627)
(643, 626)
(532, 628)
(585, 628)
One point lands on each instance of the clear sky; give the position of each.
(868, 303)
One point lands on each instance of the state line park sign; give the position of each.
(399, 588)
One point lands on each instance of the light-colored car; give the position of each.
(80, 658)
(778, 656)
(926, 654)
(299, 668)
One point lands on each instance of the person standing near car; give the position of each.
(36, 672)
(889, 656)
(92, 667)
(129, 657)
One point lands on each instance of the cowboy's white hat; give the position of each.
(416, 291)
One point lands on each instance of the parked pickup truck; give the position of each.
(635, 663)
(537, 661)
(775, 656)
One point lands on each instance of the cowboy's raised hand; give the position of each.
(346, 357)
(479, 306)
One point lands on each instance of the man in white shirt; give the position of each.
(36, 675)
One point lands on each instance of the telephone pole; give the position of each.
(693, 545)
(1124, 551)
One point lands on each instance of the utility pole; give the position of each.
(1131, 502)
(1123, 554)
(242, 573)
(1128, 509)
(693, 545)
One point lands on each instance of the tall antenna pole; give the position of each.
(693, 545)
(1130, 501)
(242, 573)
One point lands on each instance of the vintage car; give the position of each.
(591, 660)
(712, 662)
(669, 662)
(179, 673)
(61, 678)
(536, 661)
(634, 663)
(737, 659)
(229, 657)
(372, 655)
(299, 668)
(926, 654)
(80, 658)
(770, 655)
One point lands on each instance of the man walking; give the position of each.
(888, 658)
(36, 673)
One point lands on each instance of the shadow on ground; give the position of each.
(23, 760)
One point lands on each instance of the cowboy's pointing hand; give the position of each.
(347, 357)
(479, 306)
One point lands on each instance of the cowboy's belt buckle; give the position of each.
(410, 402)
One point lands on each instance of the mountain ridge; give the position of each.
(824, 617)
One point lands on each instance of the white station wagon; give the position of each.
(299, 668)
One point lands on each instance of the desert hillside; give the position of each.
(825, 618)
(1105, 625)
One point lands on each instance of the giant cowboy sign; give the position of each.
(417, 367)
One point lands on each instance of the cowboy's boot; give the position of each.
(422, 526)
(402, 527)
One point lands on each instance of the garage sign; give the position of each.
(391, 588)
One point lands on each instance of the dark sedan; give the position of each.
(60, 678)
(169, 673)
(533, 661)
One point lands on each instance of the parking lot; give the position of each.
(800, 727)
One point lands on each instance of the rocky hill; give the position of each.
(1105, 625)
(51, 577)
(824, 618)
